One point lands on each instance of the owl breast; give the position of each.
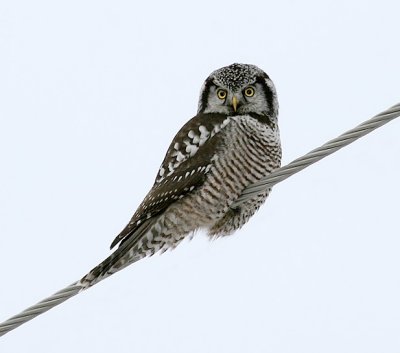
(247, 151)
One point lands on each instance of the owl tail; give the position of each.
(130, 251)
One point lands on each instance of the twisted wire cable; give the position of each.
(265, 183)
(39, 308)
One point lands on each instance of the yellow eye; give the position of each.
(221, 94)
(249, 92)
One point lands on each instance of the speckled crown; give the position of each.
(235, 76)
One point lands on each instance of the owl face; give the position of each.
(239, 89)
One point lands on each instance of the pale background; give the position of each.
(91, 93)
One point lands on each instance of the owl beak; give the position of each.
(234, 103)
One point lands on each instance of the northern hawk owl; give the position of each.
(232, 142)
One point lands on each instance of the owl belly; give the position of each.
(254, 151)
(249, 151)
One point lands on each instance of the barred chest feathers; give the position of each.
(247, 151)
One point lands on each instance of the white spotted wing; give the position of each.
(185, 166)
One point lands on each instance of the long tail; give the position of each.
(130, 251)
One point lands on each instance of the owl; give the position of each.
(232, 142)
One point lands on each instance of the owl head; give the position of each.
(239, 89)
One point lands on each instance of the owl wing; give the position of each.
(185, 166)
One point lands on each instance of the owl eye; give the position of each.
(249, 92)
(221, 94)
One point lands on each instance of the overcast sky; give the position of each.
(91, 94)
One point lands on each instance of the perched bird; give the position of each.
(232, 142)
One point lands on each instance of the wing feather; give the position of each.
(184, 168)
